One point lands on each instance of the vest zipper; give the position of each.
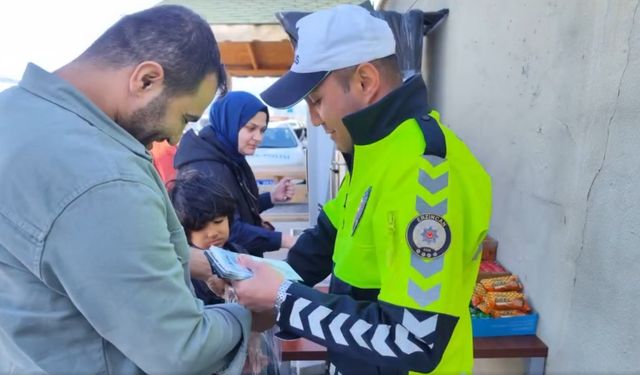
(344, 205)
(391, 228)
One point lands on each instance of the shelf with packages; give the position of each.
(499, 306)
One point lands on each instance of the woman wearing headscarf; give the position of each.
(238, 121)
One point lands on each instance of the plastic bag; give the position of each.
(263, 353)
(263, 357)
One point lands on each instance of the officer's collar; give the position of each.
(378, 120)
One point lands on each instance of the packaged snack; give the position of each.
(489, 248)
(484, 308)
(506, 313)
(502, 284)
(506, 301)
(491, 266)
(478, 295)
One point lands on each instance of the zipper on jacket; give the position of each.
(344, 210)
(391, 228)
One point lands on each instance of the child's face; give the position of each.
(216, 232)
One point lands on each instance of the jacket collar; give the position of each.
(56, 90)
(378, 120)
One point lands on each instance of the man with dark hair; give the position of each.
(93, 260)
(401, 237)
(153, 35)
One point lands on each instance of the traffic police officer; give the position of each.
(402, 235)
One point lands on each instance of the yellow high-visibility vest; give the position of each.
(412, 225)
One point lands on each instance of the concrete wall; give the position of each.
(547, 94)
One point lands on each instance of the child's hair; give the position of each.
(199, 199)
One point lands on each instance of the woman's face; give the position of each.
(250, 135)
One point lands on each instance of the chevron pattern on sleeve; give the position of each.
(332, 327)
(433, 180)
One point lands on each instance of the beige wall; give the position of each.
(248, 33)
(547, 93)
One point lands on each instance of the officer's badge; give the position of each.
(361, 207)
(429, 235)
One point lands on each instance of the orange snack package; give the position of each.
(478, 295)
(506, 313)
(484, 308)
(502, 284)
(507, 301)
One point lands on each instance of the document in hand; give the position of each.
(225, 264)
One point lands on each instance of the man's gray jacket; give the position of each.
(94, 275)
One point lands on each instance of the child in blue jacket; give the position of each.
(205, 209)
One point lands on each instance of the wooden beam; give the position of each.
(256, 72)
(252, 55)
(483, 347)
(256, 58)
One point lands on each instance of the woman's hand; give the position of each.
(283, 191)
(288, 241)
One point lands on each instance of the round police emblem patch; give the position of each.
(429, 235)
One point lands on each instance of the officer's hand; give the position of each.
(258, 293)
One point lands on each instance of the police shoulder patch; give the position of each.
(429, 235)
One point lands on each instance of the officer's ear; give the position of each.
(367, 78)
